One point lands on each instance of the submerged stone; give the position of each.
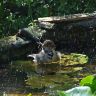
(49, 81)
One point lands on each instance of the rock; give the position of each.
(71, 33)
(26, 41)
(66, 18)
(12, 48)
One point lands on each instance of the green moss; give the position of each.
(73, 59)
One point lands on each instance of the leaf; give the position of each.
(61, 93)
(29, 94)
(89, 81)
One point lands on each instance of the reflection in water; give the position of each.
(13, 94)
(30, 94)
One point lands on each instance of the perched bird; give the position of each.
(47, 54)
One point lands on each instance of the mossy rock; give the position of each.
(73, 59)
(13, 47)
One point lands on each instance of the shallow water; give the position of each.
(20, 79)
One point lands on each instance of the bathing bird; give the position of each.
(47, 54)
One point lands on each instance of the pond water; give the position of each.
(21, 78)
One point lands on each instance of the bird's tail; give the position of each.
(32, 57)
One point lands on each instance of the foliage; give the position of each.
(16, 14)
(89, 81)
(29, 94)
